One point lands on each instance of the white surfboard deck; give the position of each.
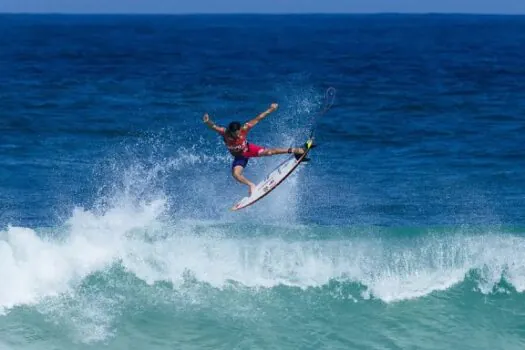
(274, 179)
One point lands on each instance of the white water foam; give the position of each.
(48, 272)
(35, 267)
(390, 274)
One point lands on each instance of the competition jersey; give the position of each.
(238, 145)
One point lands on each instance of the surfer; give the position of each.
(235, 138)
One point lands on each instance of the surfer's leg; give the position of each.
(258, 151)
(274, 151)
(237, 170)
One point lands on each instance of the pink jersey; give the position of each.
(237, 146)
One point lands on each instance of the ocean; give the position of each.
(406, 230)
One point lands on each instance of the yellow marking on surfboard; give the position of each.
(309, 144)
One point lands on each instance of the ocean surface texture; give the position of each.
(405, 231)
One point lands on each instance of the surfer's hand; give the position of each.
(273, 106)
(206, 118)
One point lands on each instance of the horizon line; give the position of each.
(260, 13)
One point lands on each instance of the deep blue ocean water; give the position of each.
(405, 231)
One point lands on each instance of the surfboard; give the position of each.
(273, 179)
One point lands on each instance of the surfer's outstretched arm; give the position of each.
(206, 119)
(273, 107)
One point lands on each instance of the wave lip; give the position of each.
(389, 268)
(37, 266)
(34, 267)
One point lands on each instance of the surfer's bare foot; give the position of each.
(252, 189)
(298, 152)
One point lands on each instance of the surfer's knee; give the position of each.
(237, 171)
(267, 152)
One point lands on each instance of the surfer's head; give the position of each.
(233, 129)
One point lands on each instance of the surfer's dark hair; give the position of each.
(233, 127)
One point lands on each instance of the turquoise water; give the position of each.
(405, 231)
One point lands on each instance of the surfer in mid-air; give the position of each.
(235, 138)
